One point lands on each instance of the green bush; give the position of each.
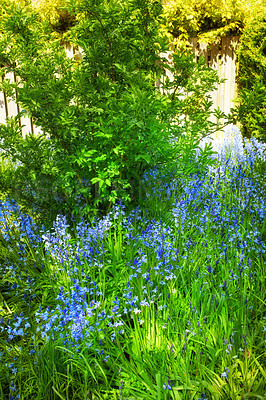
(208, 20)
(252, 78)
(104, 118)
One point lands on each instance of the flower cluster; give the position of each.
(128, 279)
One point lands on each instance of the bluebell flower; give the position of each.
(225, 373)
(203, 397)
(168, 385)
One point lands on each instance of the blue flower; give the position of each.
(168, 385)
(225, 373)
(203, 397)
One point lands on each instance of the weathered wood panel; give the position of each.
(2, 108)
(11, 104)
(222, 58)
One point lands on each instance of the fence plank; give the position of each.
(2, 108)
(214, 63)
(227, 73)
(25, 121)
(11, 104)
(234, 44)
(193, 43)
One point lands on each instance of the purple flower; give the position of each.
(168, 385)
(203, 396)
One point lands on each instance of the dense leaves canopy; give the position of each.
(104, 118)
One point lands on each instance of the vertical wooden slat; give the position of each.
(77, 53)
(193, 43)
(26, 126)
(69, 50)
(214, 63)
(234, 44)
(221, 99)
(217, 103)
(12, 106)
(227, 73)
(214, 53)
(36, 129)
(169, 74)
(2, 108)
(203, 50)
(25, 122)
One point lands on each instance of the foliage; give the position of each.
(182, 19)
(208, 20)
(132, 306)
(252, 78)
(105, 120)
(54, 12)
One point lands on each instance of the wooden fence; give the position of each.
(221, 57)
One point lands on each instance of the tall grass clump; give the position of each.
(162, 302)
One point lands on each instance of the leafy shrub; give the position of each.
(252, 78)
(105, 121)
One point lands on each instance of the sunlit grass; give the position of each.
(163, 302)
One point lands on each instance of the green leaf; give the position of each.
(144, 157)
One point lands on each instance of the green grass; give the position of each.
(186, 290)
